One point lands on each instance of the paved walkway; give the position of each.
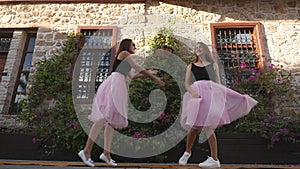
(20, 164)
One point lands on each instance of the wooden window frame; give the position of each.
(95, 66)
(114, 36)
(4, 53)
(30, 34)
(232, 50)
(113, 28)
(256, 28)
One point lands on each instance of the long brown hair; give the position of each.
(124, 46)
(206, 52)
(212, 57)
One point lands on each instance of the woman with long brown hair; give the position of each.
(208, 104)
(110, 104)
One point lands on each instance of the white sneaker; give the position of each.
(109, 162)
(210, 163)
(185, 157)
(86, 161)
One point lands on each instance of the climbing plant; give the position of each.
(48, 109)
(172, 65)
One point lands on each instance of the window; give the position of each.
(5, 39)
(94, 60)
(23, 74)
(238, 44)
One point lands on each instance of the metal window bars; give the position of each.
(94, 60)
(97, 39)
(103, 68)
(236, 48)
(5, 43)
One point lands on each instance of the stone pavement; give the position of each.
(25, 164)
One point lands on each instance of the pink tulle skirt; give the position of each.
(111, 101)
(217, 106)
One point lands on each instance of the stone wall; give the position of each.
(190, 20)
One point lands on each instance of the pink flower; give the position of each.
(34, 140)
(161, 115)
(279, 80)
(252, 70)
(270, 66)
(284, 130)
(260, 70)
(252, 77)
(243, 65)
(274, 139)
(75, 125)
(136, 134)
(140, 135)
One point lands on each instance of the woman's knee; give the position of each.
(194, 130)
(100, 122)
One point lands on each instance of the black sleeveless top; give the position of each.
(121, 66)
(202, 72)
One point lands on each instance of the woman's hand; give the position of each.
(195, 94)
(151, 71)
(160, 82)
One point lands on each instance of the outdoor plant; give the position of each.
(273, 117)
(140, 89)
(48, 110)
(50, 117)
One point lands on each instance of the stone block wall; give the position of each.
(190, 20)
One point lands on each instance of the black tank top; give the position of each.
(121, 66)
(203, 72)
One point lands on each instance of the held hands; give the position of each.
(160, 82)
(156, 79)
(151, 71)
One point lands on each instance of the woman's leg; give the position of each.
(191, 137)
(94, 132)
(213, 145)
(108, 136)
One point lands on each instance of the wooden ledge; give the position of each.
(143, 165)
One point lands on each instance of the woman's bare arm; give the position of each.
(128, 57)
(187, 82)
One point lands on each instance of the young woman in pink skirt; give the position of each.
(208, 104)
(110, 104)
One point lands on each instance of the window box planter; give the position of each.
(233, 149)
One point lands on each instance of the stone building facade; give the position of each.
(138, 19)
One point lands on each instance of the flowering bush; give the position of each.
(57, 126)
(277, 127)
(48, 110)
(273, 117)
(140, 89)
